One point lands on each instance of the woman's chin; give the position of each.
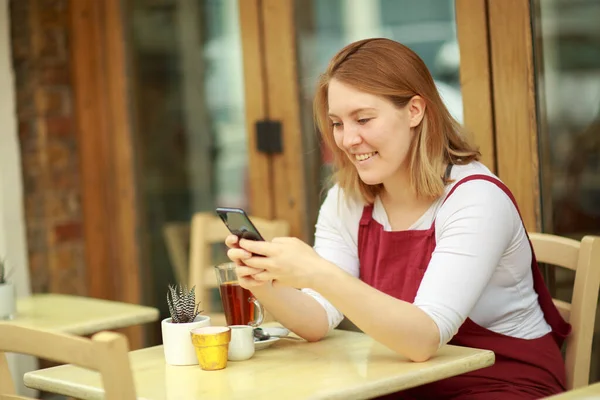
(370, 179)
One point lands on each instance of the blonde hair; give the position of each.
(391, 70)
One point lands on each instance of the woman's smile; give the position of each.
(362, 157)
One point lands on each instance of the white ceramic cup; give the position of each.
(177, 343)
(241, 346)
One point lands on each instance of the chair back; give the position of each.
(208, 229)
(583, 258)
(105, 352)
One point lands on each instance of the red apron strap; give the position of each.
(560, 328)
(366, 215)
(363, 228)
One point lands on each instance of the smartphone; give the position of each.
(238, 223)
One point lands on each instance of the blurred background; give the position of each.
(123, 118)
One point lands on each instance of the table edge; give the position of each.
(482, 358)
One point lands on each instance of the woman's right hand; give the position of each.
(244, 272)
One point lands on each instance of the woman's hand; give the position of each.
(288, 261)
(245, 273)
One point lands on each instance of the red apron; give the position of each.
(395, 262)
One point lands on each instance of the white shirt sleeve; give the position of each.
(474, 228)
(336, 244)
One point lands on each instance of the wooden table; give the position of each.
(585, 393)
(345, 365)
(79, 315)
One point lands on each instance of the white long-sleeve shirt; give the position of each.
(480, 268)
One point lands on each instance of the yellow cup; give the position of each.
(211, 344)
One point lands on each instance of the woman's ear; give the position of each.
(416, 110)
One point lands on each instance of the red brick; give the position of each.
(60, 155)
(51, 102)
(25, 130)
(36, 237)
(63, 206)
(67, 232)
(34, 209)
(65, 179)
(65, 257)
(54, 75)
(67, 269)
(21, 47)
(52, 46)
(33, 185)
(25, 100)
(59, 126)
(72, 281)
(39, 271)
(52, 13)
(32, 164)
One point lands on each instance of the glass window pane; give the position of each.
(567, 60)
(323, 27)
(187, 110)
(568, 81)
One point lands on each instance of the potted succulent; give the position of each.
(185, 316)
(7, 293)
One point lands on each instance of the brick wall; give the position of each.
(49, 145)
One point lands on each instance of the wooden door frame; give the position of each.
(284, 94)
(277, 181)
(106, 153)
(499, 95)
(515, 108)
(472, 27)
(260, 165)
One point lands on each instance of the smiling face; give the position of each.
(374, 133)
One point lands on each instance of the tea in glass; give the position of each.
(239, 305)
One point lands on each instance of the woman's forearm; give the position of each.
(294, 309)
(397, 324)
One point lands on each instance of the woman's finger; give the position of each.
(283, 240)
(261, 263)
(250, 283)
(246, 271)
(238, 254)
(264, 276)
(231, 241)
(258, 247)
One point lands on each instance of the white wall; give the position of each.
(13, 244)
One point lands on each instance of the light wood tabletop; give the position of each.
(345, 365)
(79, 315)
(585, 393)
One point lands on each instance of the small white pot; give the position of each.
(177, 341)
(8, 307)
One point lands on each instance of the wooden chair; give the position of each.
(105, 352)
(208, 229)
(583, 258)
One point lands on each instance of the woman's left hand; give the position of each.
(288, 261)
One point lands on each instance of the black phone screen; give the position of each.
(239, 223)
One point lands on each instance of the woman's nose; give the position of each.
(352, 137)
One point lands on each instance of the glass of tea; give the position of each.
(239, 304)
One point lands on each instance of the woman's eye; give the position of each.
(363, 121)
(336, 124)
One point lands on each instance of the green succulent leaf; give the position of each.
(182, 304)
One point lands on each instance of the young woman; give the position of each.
(417, 243)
